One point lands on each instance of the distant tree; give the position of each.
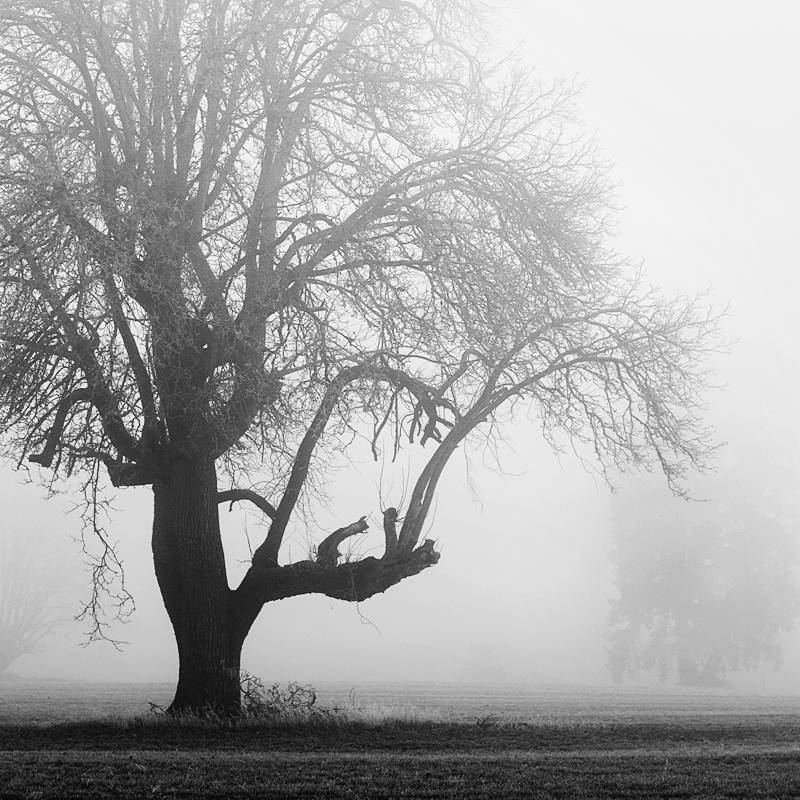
(706, 587)
(37, 593)
(235, 232)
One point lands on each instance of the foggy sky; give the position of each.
(696, 104)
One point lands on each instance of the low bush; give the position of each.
(294, 703)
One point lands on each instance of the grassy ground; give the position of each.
(210, 774)
(434, 760)
(705, 749)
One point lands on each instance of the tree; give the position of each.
(706, 587)
(236, 230)
(36, 592)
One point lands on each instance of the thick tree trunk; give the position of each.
(209, 619)
(190, 568)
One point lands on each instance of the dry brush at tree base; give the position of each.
(235, 232)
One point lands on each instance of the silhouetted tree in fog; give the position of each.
(37, 593)
(235, 232)
(705, 587)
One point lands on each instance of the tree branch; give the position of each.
(102, 397)
(256, 499)
(390, 531)
(352, 581)
(45, 458)
(328, 549)
(268, 551)
(138, 367)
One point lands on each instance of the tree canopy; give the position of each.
(705, 588)
(233, 230)
(37, 591)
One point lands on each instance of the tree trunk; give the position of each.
(209, 619)
(6, 660)
(190, 568)
(709, 675)
(686, 656)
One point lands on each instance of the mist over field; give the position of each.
(695, 105)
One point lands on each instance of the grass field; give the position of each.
(432, 741)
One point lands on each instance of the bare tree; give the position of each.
(235, 230)
(36, 592)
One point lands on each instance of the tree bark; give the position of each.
(190, 568)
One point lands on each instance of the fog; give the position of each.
(696, 106)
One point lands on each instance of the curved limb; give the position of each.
(233, 495)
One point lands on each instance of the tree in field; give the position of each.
(705, 588)
(233, 233)
(36, 592)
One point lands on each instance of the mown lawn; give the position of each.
(214, 774)
(745, 758)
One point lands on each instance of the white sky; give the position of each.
(696, 103)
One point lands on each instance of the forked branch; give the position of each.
(352, 581)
